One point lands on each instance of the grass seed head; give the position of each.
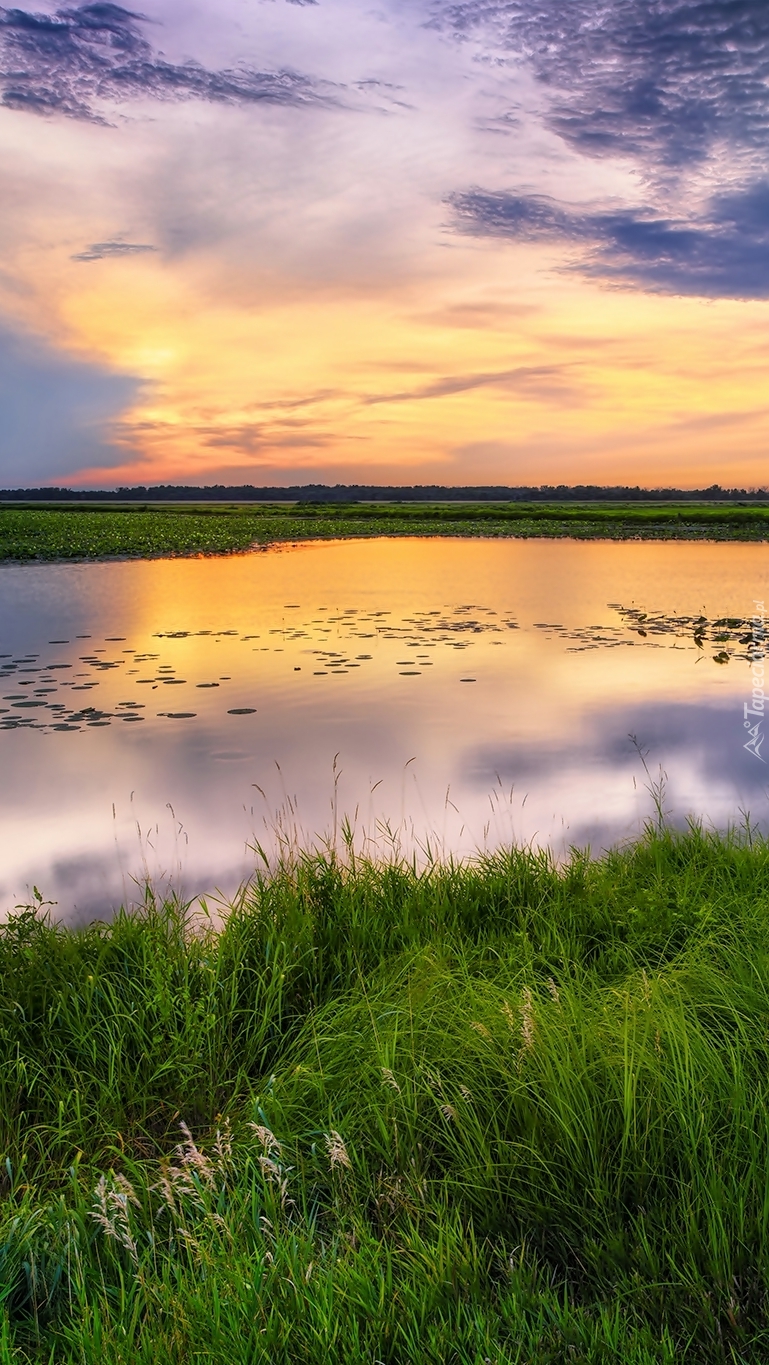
(337, 1152)
(266, 1137)
(527, 1020)
(193, 1160)
(111, 1199)
(223, 1144)
(389, 1079)
(276, 1175)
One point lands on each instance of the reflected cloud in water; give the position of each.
(698, 751)
(162, 721)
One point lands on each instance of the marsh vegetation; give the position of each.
(499, 1111)
(146, 531)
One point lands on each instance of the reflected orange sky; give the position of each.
(456, 694)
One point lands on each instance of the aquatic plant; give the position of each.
(139, 531)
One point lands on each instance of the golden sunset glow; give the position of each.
(383, 274)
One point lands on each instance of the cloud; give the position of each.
(680, 88)
(253, 438)
(663, 81)
(480, 315)
(56, 414)
(529, 381)
(79, 61)
(100, 251)
(722, 253)
(691, 737)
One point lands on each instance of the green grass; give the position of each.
(77, 532)
(495, 1112)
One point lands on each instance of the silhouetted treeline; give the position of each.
(355, 492)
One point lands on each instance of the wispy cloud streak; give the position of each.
(721, 253)
(101, 251)
(527, 381)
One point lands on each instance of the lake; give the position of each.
(163, 719)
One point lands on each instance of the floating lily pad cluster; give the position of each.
(43, 690)
(645, 628)
(419, 633)
(735, 635)
(41, 706)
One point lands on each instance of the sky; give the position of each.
(407, 241)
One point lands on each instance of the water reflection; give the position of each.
(154, 714)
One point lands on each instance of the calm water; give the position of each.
(162, 718)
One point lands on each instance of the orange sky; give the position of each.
(402, 273)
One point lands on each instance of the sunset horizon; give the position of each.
(445, 244)
(384, 516)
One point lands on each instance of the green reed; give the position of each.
(501, 1111)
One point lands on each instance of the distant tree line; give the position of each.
(355, 492)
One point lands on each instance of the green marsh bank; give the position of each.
(499, 1111)
(78, 532)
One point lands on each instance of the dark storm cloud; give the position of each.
(77, 60)
(659, 80)
(721, 254)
